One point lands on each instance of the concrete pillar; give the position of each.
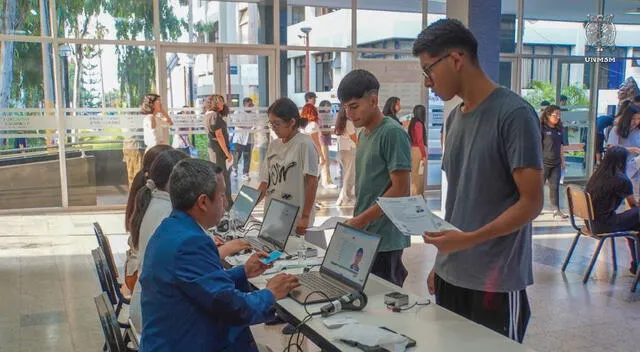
(482, 17)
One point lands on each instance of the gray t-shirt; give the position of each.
(482, 148)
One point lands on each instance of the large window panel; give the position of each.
(387, 24)
(230, 22)
(103, 119)
(113, 19)
(321, 23)
(21, 17)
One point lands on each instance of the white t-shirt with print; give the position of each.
(284, 169)
(344, 141)
(159, 135)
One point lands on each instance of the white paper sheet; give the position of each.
(328, 224)
(412, 216)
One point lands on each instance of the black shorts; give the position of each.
(507, 313)
(600, 142)
(389, 266)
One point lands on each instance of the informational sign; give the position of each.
(233, 69)
(25, 120)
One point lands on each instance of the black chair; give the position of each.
(105, 246)
(108, 321)
(580, 206)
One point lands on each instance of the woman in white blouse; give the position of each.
(156, 123)
(347, 140)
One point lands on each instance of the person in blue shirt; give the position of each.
(189, 301)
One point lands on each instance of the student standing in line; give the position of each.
(493, 162)
(290, 170)
(392, 108)
(552, 156)
(157, 122)
(383, 164)
(347, 140)
(626, 134)
(326, 180)
(215, 112)
(243, 142)
(418, 137)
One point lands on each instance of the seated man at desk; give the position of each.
(189, 302)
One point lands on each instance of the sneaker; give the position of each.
(560, 214)
(246, 178)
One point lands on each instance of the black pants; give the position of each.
(245, 152)
(388, 265)
(221, 160)
(552, 174)
(507, 313)
(628, 220)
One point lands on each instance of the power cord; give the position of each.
(297, 332)
(400, 309)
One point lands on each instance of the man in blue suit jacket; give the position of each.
(189, 301)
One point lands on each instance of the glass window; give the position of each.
(22, 17)
(113, 19)
(217, 21)
(327, 24)
(385, 24)
(300, 74)
(324, 72)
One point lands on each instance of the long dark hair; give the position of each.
(158, 178)
(624, 124)
(544, 119)
(419, 116)
(140, 178)
(390, 107)
(613, 163)
(341, 122)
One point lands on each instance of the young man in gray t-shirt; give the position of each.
(493, 162)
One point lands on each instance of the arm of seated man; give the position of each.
(201, 277)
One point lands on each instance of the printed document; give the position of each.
(412, 216)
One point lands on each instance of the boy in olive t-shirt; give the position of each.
(383, 165)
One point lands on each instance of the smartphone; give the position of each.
(410, 343)
(273, 256)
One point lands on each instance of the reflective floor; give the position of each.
(48, 285)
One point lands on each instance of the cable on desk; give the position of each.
(399, 309)
(297, 332)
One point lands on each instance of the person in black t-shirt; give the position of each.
(552, 156)
(608, 187)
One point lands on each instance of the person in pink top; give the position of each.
(418, 136)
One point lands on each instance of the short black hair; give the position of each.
(287, 110)
(356, 84)
(545, 103)
(443, 35)
(247, 100)
(190, 179)
(309, 95)
(563, 97)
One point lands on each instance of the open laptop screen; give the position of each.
(350, 255)
(244, 203)
(278, 222)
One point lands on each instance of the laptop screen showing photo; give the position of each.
(278, 222)
(244, 204)
(350, 255)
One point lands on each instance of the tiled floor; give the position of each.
(48, 284)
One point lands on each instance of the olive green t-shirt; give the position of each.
(383, 150)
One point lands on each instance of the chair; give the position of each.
(108, 321)
(580, 206)
(105, 246)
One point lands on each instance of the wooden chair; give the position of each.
(580, 206)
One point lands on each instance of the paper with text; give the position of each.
(412, 216)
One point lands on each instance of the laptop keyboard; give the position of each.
(315, 282)
(258, 245)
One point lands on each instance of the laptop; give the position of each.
(277, 224)
(243, 205)
(345, 267)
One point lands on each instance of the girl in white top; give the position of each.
(347, 140)
(153, 205)
(290, 170)
(157, 122)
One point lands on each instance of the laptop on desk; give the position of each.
(244, 204)
(345, 267)
(277, 224)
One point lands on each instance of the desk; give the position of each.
(434, 328)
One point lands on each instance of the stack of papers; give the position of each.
(412, 216)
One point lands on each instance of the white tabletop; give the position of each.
(434, 328)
